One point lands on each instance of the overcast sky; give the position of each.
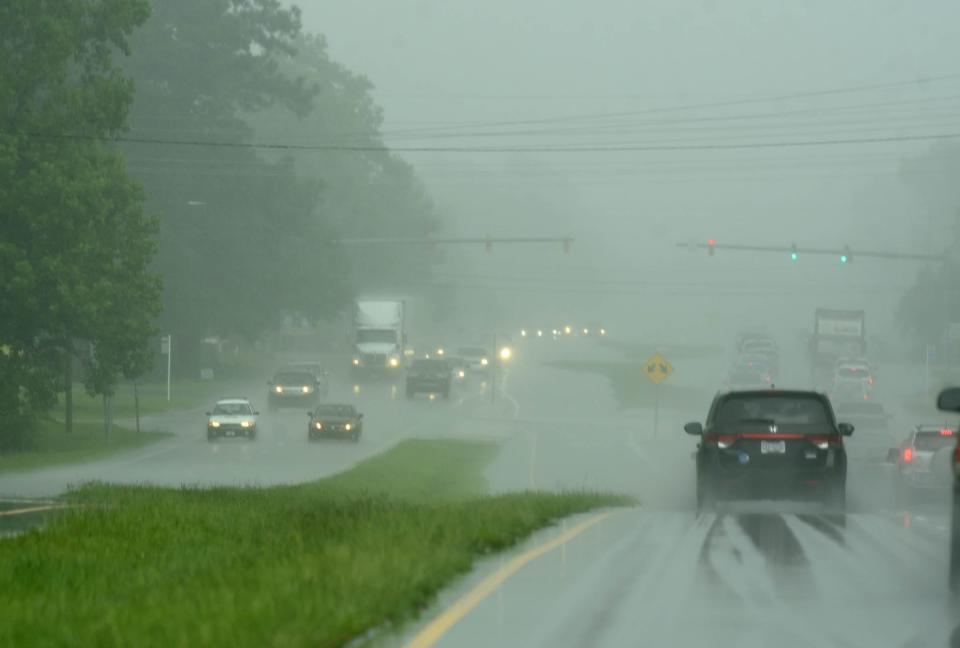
(622, 72)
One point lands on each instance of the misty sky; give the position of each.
(454, 66)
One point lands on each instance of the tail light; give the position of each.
(946, 432)
(907, 455)
(822, 442)
(722, 441)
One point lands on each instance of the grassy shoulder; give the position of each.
(184, 395)
(633, 389)
(86, 443)
(317, 564)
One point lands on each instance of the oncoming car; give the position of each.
(771, 444)
(232, 417)
(333, 420)
(475, 358)
(291, 387)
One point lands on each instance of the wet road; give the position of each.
(754, 574)
(280, 453)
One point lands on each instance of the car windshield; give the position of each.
(293, 378)
(423, 364)
(933, 440)
(778, 410)
(376, 336)
(334, 410)
(232, 409)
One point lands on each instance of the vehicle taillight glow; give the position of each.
(821, 442)
(946, 432)
(907, 455)
(722, 441)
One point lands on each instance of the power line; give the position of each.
(586, 148)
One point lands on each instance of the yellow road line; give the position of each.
(453, 614)
(32, 509)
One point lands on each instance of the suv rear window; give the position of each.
(780, 410)
(932, 441)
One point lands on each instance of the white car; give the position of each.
(475, 358)
(232, 417)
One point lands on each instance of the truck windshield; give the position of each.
(377, 336)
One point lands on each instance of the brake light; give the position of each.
(907, 455)
(946, 432)
(822, 442)
(722, 441)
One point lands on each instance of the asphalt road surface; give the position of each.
(281, 453)
(755, 574)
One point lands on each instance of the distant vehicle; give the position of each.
(770, 444)
(429, 376)
(321, 377)
(476, 358)
(293, 387)
(745, 377)
(851, 384)
(232, 417)
(333, 420)
(949, 401)
(923, 460)
(836, 334)
(760, 364)
(379, 335)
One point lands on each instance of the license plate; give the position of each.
(773, 447)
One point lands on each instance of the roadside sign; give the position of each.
(657, 368)
(165, 345)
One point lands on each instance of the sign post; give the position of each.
(165, 349)
(657, 369)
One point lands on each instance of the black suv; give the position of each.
(429, 376)
(771, 444)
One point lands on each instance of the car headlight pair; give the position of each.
(484, 362)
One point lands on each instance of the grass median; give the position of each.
(317, 564)
(86, 443)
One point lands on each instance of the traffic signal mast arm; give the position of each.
(845, 252)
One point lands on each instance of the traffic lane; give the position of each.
(750, 578)
(280, 454)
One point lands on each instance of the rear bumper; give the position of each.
(231, 432)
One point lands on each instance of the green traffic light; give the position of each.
(793, 256)
(843, 258)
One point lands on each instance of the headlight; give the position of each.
(318, 425)
(462, 373)
(394, 362)
(483, 362)
(214, 424)
(506, 353)
(278, 389)
(356, 362)
(440, 352)
(307, 389)
(347, 427)
(246, 424)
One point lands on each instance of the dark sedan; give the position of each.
(332, 420)
(771, 444)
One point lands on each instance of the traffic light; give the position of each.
(793, 252)
(845, 256)
(711, 246)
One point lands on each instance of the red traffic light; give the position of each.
(711, 246)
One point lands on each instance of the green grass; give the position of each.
(633, 389)
(87, 443)
(317, 564)
(184, 395)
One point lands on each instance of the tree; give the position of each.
(74, 240)
(241, 243)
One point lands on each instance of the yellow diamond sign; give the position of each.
(657, 369)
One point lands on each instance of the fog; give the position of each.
(673, 74)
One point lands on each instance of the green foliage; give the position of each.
(313, 565)
(74, 241)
